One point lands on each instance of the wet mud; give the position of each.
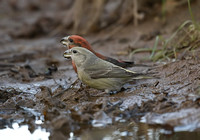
(39, 88)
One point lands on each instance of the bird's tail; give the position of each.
(145, 76)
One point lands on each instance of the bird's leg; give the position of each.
(113, 92)
(110, 92)
(101, 94)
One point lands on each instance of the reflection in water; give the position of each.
(102, 127)
(110, 132)
(137, 131)
(22, 133)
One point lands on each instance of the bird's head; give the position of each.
(75, 40)
(79, 55)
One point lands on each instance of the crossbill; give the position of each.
(98, 73)
(75, 40)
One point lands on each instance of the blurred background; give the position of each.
(122, 25)
(35, 18)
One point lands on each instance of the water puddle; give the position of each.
(134, 131)
(23, 133)
(121, 130)
(22, 128)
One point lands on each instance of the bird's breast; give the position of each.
(83, 76)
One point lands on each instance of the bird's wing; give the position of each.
(107, 70)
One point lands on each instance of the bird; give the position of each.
(98, 73)
(76, 40)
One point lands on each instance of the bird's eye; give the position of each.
(71, 40)
(74, 51)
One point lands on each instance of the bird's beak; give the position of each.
(65, 41)
(67, 54)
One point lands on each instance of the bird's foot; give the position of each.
(113, 92)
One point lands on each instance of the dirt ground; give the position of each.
(37, 83)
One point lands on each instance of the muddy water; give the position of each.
(104, 130)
